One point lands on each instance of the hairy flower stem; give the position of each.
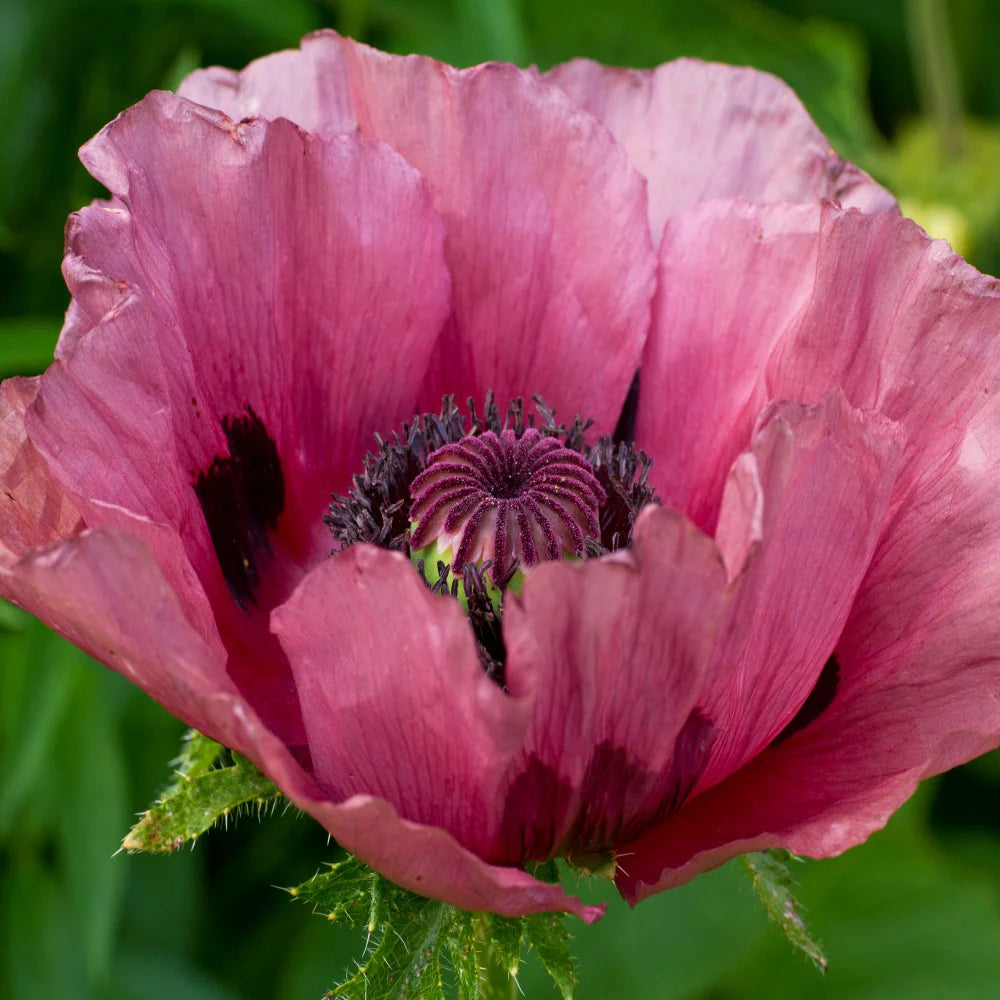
(496, 982)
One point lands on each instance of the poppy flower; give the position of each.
(766, 638)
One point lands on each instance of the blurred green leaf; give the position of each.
(37, 686)
(773, 883)
(152, 976)
(897, 922)
(822, 62)
(497, 26)
(41, 946)
(677, 945)
(27, 344)
(954, 198)
(91, 809)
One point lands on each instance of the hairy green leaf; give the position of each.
(405, 962)
(461, 942)
(418, 947)
(547, 934)
(773, 883)
(343, 891)
(506, 935)
(198, 799)
(198, 755)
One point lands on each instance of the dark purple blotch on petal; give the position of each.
(691, 748)
(242, 495)
(622, 797)
(537, 800)
(819, 700)
(619, 798)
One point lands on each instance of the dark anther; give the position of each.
(376, 509)
(623, 474)
(819, 700)
(242, 495)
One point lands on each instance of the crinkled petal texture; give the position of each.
(541, 287)
(298, 256)
(234, 302)
(699, 131)
(907, 331)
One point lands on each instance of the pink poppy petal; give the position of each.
(700, 130)
(801, 516)
(733, 279)
(104, 590)
(426, 860)
(431, 862)
(797, 306)
(309, 86)
(903, 325)
(34, 509)
(919, 672)
(609, 656)
(99, 267)
(325, 256)
(547, 241)
(395, 701)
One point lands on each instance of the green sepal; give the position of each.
(199, 796)
(417, 947)
(406, 937)
(600, 864)
(773, 883)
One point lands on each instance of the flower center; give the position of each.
(472, 501)
(509, 499)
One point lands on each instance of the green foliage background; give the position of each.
(914, 913)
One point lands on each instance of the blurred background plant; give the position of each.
(906, 89)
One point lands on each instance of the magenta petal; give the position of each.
(395, 701)
(801, 515)
(609, 657)
(105, 591)
(902, 325)
(733, 280)
(758, 303)
(245, 273)
(547, 240)
(430, 862)
(406, 733)
(700, 130)
(919, 675)
(34, 508)
(325, 255)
